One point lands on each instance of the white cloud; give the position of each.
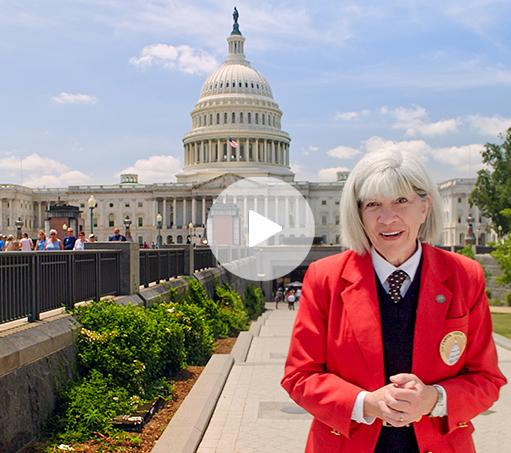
(330, 174)
(40, 171)
(74, 98)
(311, 150)
(160, 168)
(489, 125)
(414, 121)
(465, 158)
(343, 152)
(348, 116)
(418, 147)
(183, 58)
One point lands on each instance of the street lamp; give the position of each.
(19, 225)
(190, 229)
(127, 224)
(159, 220)
(92, 204)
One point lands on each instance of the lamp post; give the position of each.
(19, 224)
(127, 224)
(159, 220)
(191, 252)
(470, 239)
(92, 204)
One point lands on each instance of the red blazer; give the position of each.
(336, 350)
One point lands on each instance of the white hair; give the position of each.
(386, 174)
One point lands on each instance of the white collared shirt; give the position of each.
(384, 269)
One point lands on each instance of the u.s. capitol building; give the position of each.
(236, 133)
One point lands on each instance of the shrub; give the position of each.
(128, 344)
(232, 309)
(502, 255)
(468, 251)
(254, 301)
(90, 405)
(198, 295)
(198, 338)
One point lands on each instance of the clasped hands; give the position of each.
(405, 400)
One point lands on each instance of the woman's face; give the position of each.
(392, 225)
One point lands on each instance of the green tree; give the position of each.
(492, 191)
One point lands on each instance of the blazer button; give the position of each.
(335, 432)
(462, 425)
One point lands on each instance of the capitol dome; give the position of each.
(236, 123)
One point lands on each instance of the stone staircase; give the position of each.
(493, 268)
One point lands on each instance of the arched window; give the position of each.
(218, 118)
(233, 118)
(200, 121)
(241, 117)
(225, 117)
(111, 220)
(263, 118)
(179, 239)
(210, 119)
(257, 118)
(249, 117)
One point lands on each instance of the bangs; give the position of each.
(388, 183)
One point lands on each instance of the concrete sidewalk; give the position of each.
(255, 415)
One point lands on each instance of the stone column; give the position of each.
(164, 213)
(229, 151)
(194, 211)
(286, 213)
(174, 212)
(255, 203)
(245, 209)
(238, 151)
(40, 214)
(265, 151)
(203, 219)
(195, 153)
(266, 205)
(247, 145)
(297, 213)
(273, 153)
(210, 150)
(256, 157)
(11, 214)
(185, 220)
(1, 214)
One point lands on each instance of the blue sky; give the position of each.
(90, 89)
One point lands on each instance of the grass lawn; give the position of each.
(502, 323)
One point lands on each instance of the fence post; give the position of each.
(129, 263)
(35, 306)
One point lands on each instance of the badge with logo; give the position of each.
(452, 346)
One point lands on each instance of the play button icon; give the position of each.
(260, 228)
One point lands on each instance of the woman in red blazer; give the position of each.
(392, 348)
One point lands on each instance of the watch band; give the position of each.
(440, 408)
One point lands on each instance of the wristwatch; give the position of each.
(440, 408)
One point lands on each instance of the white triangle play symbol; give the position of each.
(260, 228)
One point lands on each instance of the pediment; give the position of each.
(218, 182)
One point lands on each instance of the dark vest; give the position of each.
(398, 326)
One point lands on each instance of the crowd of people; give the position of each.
(289, 295)
(51, 241)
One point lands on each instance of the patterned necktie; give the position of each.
(396, 280)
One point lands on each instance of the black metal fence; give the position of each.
(168, 262)
(161, 264)
(35, 282)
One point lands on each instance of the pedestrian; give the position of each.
(278, 298)
(10, 244)
(291, 298)
(41, 241)
(80, 242)
(392, 348)
(53, 243)
(69, 240)
(2, 243)
(117, 236)
(26, 244)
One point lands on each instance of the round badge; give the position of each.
(452, 346)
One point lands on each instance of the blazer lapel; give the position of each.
(433, 304)
(360, 300)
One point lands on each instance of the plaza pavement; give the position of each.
(255, 415)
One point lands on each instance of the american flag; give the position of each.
(233, 143)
